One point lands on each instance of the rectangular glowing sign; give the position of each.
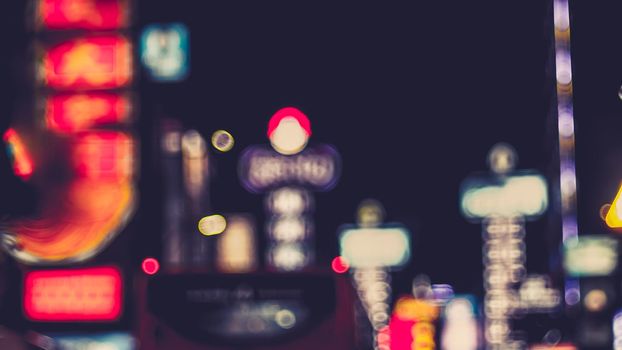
(375, 247)
(82, 14)
(96, 62)
(74, 112)
(591, 256)
(553, 347)
(521, 194)
(104, 341)
(93, 294)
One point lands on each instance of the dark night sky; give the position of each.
(412, 95)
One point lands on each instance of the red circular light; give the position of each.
(289, 112)
(340, 265)
(150, 266)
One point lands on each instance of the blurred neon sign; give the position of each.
(411, 325)
(262, 168)
(104, 155)
(164, 51)
(74, 112)
(74, 226)
(82, 14)
(375, 247)
(516, 195)
(93, 294)
(97, 62)
(591, 256)
(22, 162)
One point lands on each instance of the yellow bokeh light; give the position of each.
(222, 140)
(595, 300)
(212, 225)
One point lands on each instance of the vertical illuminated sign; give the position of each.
(372, 248)
(288, 171)
(501, 201)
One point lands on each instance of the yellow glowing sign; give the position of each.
(614, 215)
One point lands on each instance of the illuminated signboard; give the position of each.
(591, 256)
(164, 51)
(262, 168)
(520, 194)
(96, 62)
(93, 294)
(375, 247)
(104, 341)
(82, 14)
(75, 112)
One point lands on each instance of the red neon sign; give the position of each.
(104, 155)
(82, 14)
(93, 294)
(22, 163)
(74, 112)
(88, 63)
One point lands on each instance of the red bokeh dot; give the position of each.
(340, 265)
(151, 266)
